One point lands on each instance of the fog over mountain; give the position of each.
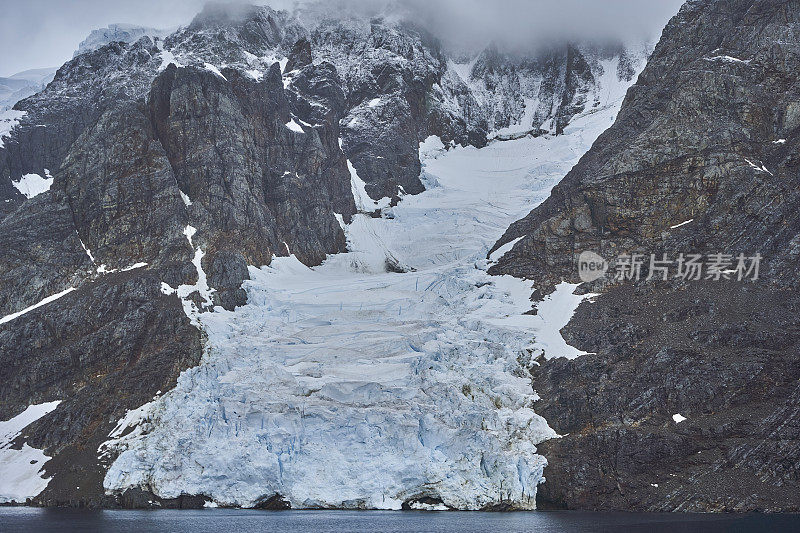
(44, 33)
(400, 255)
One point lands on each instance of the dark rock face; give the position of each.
(727, 359)
(143, 499)
(82, 90)
(300, 55)
(397, 171)
(122, 193)
(707, 134)
(274, 503)
(42, 253)
(255, 184)
(557, 82)
(399, 91)
(226, 270)
(152, 141)
(104, 348)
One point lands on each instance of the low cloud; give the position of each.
(42, 33)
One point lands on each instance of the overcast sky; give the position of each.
(44, 33)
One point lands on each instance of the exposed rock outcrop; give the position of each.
(701, 159)
(105, 348)
(398, 93)
(544, 88)
(726, 358)
(177, 161)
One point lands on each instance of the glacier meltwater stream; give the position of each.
(347, 385)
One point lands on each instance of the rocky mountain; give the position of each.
(125, 33)
(398, 93)
(541, 90)
(268, 233)
(688, 399)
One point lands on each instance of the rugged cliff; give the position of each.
(165, 180)
(140, 185)
(702, 159)
(542, 89)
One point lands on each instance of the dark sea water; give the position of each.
(23, 519)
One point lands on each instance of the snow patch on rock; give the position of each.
(21, 470)
(103, 269)
(553, 313)
(255, 74)
(364, 203)
(501, 251)
(44, 301)
(215, 70)
(201, 287)
(167, 57)
(431, 147)
(678, 225)
(32, 185)
(294, 126)
(727, 59)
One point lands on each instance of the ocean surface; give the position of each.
(24, 519)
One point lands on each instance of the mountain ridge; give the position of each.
(699, 161)
(180, 163)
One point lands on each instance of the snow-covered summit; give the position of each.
(126, 33)
(23, 84)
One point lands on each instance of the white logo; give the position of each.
(591, 266)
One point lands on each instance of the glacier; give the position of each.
(396, 373)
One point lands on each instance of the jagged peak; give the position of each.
(118, 32)
(223, 32)
(221, 14)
